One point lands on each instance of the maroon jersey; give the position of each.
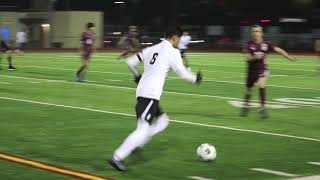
(87, 40)
(258, 67)
(261, 50)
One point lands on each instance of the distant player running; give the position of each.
(87, 47)
(130, 44)
(5, 48)
(183, 46)
(257, 69)
(157, 61)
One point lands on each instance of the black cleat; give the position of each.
(263, 113)
(244, 112)
(118, 165)
(11, 68)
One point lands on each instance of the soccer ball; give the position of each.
(206, 152)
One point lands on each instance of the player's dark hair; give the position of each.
(170, 32)
(90, 25)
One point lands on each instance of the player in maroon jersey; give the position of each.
(87, 47)
(256, 52)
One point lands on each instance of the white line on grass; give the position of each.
(176, 121)
(317, 177)
(33, 82)
(314, 163)
(205, 79)
(5, 83)
(114, 80)
(168, 92)
(198, 178)
(103, 56)
(279, 173)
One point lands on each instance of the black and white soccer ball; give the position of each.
(206, 152)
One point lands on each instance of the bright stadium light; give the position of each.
(45, 25)
(119, 2)
(197, 41)
(147, 43)
(296, 20)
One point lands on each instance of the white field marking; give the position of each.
(191, 54)
(218, 65)
(72, 58)
(314, 163)
(317, 177)
(269, 85)
(176, 121)
(102, 57)
(5, 83)
(114, 80)
(64, 69)
(279, 173)
(240, 104)
(33, 82)
(198, 178)
(130, 88)
(90, 81)
(205, 79)
(298, 76)
(272, 75)
(306, 101)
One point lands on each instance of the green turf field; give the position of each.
(46, 116)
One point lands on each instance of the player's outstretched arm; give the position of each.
(132, 63)
(182, 72)
(284, 54)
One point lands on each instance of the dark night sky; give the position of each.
(199, 12)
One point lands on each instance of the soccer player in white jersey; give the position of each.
(183, 46)
(158, 60)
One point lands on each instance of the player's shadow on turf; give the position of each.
(148, 153)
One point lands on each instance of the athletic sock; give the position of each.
(262, 93)
(80, 70)
(247, 99)
(10, 61)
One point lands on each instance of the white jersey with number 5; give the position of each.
(158, 60)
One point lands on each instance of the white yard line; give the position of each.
(176, 121)
(72, 56)
(205, 79)
(278, 173)
(114, 80)
(5, 83)
(130, 88)
(33, 82)
(314, 163)
(198, 178)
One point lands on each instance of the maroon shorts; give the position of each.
(254, 75)
(86, 54)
